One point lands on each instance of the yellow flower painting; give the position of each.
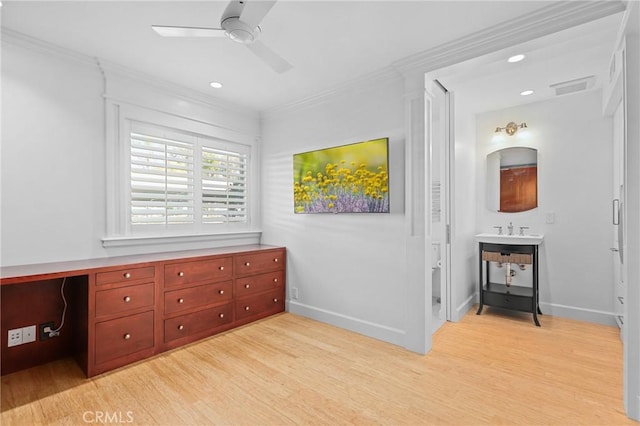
(345, 179)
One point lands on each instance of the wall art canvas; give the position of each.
(344, 179)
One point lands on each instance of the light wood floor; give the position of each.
(496, 368)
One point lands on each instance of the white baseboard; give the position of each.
(464, 307)
(555, 309)
(581, 314)
(367, 328)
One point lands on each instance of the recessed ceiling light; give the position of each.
(516, 58)
(527, 93)
(216, 85)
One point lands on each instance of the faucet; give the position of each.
(522, 228)
(510, 228)
(499, 228)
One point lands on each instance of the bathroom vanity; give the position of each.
(511, 251)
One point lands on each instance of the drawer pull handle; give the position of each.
(246, 308)
(221, 315)
(221, 292)
(247, 264)
(247, 285)
(181, 327)
(181, 300)
(275, 280)
(127, 299)
(275, 300)
(621, 299)
(221, 268)
(127, 275)
(127, 336)
(181, 274)
(275, 260)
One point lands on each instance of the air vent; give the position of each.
(574, 86)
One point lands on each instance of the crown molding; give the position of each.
(547, 20)
(364, 82)
(35, 44)
(111, 68)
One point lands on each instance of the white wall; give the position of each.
(52, 157)
(349, 269)
(53, 161)
(574, 143)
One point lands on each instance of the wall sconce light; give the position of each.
(511, 128)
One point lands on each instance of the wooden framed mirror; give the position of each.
(512, 180)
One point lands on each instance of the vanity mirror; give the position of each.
(512, 180)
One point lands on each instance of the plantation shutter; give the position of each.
(162, 180)
(224, 186)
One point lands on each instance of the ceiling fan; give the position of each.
(240, 22)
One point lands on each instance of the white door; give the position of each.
(439, 184)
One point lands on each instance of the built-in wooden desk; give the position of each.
(124, 309)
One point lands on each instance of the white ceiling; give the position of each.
(490, 83)
(328, 42)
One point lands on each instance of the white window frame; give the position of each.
(120, 232)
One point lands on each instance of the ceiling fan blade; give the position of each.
(271, 58)
(169, 31)
(233, 9)
(255, 11)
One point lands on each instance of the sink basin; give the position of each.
(532, 239)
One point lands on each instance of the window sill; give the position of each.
(109, 242)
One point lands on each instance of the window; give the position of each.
(180, 168)
(224, 186)
(180, 180)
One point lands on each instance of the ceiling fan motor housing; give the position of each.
(239, 31)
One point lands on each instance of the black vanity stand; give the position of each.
(518, 298)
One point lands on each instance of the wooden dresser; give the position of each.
(126, 309)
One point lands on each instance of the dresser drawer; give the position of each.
(271, 302)
(125, 275)
(247, 264)
(190, 324)
(192, 297)
(123, 299)
(181, 274)
(123, 336)
(258, 283)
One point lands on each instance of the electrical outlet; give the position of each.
(294, 293)
(15, 337)
(44, 330)
(29, 334)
